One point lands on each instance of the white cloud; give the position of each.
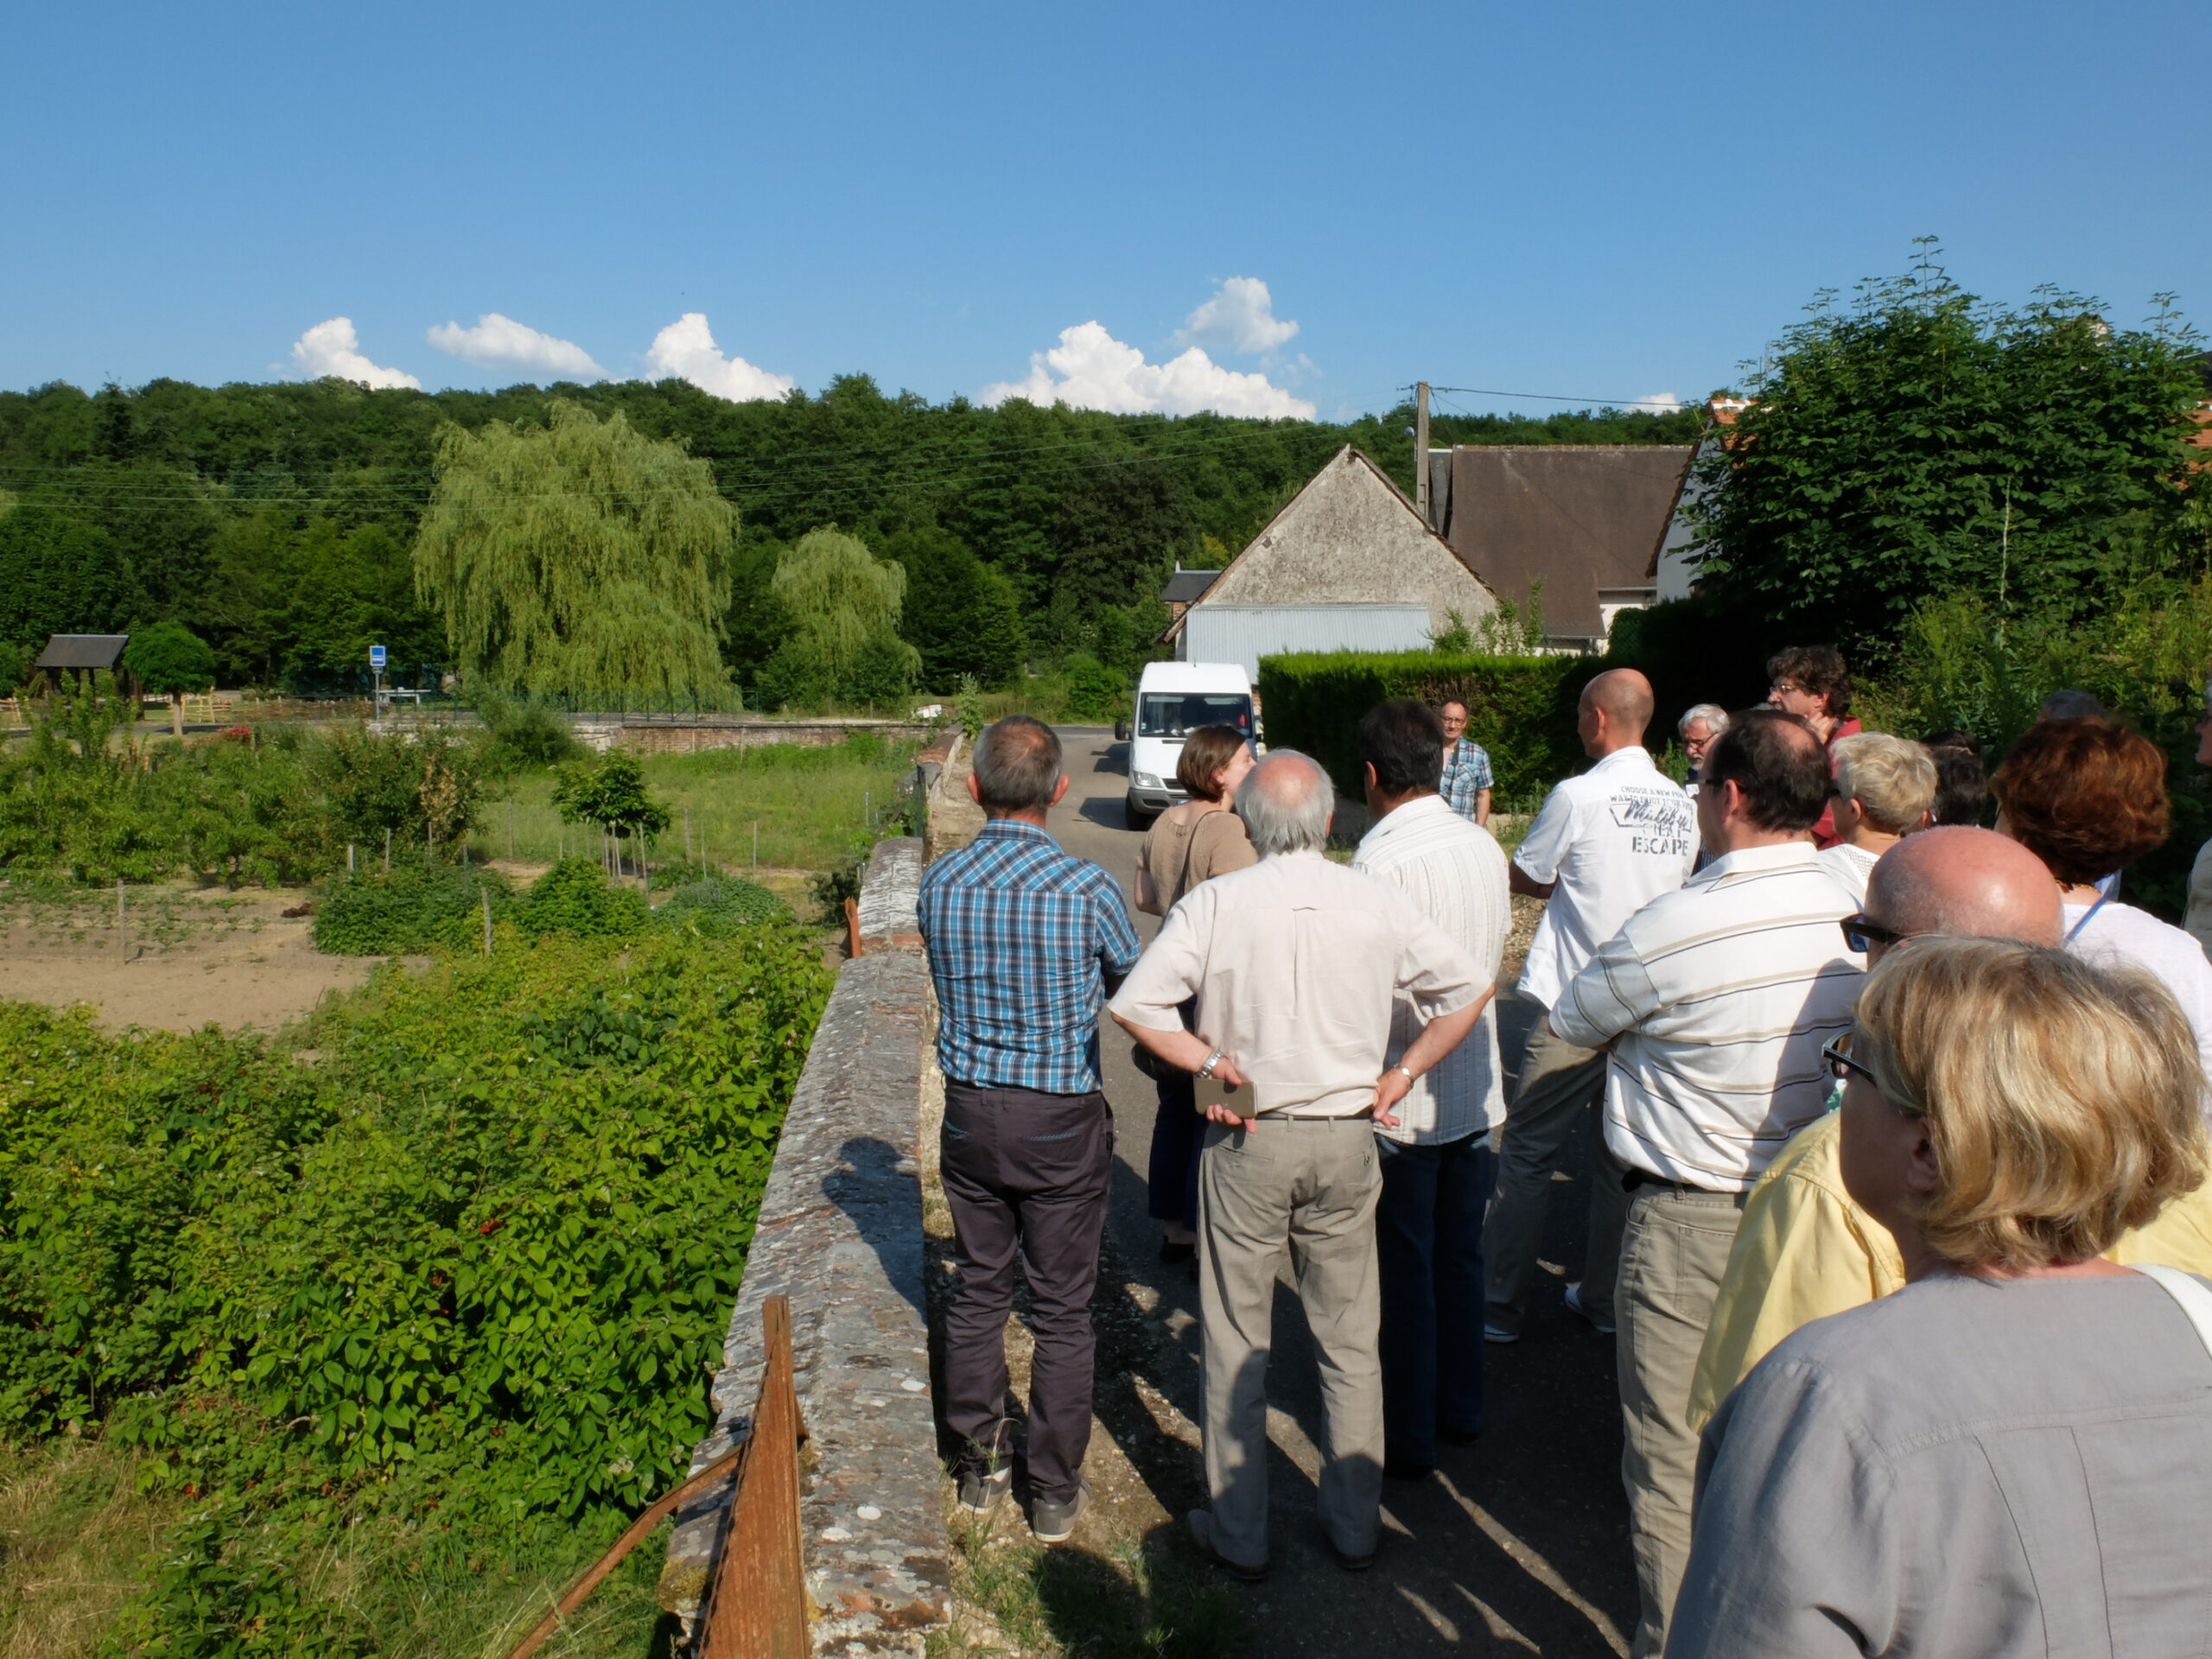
(501, 342)
(685, 350)
(1241, 315)
(1090, 369)
(331, 348)
(1657, 403)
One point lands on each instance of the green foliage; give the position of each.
(415, 909)
(961, 615)
(1521, 709)
(717, 906)
(610, 792)
(168, 659)
(843, 607)
(1922, 443)
(524, 734)
(971, 707)
(576, 899)
(580, 556)
(460, 1282)
(1094, 691)
(14, 667)
(426, 789)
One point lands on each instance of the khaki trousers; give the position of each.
(1674, 1252)
(1309, 1186)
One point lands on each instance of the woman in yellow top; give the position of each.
(1192, 842)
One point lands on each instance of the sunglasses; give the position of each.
(1859, 934)
(1836, 1053)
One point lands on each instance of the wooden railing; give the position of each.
(756, 1605)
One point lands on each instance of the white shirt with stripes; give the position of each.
(1716, 999)
(1454, 872)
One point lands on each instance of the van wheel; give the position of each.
(1135, 817)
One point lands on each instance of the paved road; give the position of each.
(1518, 1544)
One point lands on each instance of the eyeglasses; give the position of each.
(1836, 1051)
(1860, 935)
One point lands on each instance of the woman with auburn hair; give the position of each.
(2012, 1455)
(2088, 798)
(1191, 841)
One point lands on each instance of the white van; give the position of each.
(1173, 699)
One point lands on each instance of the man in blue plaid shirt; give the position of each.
(1466, 782)
(1024, 944)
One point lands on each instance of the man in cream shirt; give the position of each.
(1295, 965)
(1607, 842)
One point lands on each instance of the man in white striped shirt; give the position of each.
(1713, 1002)
(1436, 1162)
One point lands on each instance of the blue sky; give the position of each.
(1602, 201)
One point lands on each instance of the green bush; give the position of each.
(415, 908)
(576, 899)
(464, 1279)
(1521, 709)
(717, 906)
(1094, 691)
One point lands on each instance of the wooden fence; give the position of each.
(756, 1605)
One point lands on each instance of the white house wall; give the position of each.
(1244, 634)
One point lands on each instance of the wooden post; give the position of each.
(1420, 453)
(757, 1607)
(756, 848)
(121, 923)
(487, 892)
(387, 852)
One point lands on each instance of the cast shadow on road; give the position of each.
(1518, 1542)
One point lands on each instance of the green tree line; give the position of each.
(279, 522)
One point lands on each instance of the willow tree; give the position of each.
(844, 603)
(578, 556)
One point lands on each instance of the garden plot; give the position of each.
(176, 959)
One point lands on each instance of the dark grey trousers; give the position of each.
(1026, 1172)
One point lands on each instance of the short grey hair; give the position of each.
(1017, 764)
(1714, 717)
(1287, 803)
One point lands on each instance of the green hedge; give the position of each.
(1521, 709)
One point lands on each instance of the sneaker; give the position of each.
(980, 1493)
(1201, 1524)
(1349, 1562)
(1604, 1327)
(1458, 1436)
(1499, 1333)
(1051, 1523)
(1406, 1469)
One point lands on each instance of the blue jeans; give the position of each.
(1428, 1234)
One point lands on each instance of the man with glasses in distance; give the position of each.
(1700, 730)
(1712, 1003)
(1464, 782)
(1805, 1249)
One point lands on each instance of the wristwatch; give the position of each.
(1212, 1061)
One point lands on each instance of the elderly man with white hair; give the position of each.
(1295, 965)
(1699, 728)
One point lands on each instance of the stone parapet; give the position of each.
(839, 1233)
(891, 890)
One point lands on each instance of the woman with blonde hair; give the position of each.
(1190, 843)
(2012, 1455)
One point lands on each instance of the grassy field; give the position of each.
(812, 807)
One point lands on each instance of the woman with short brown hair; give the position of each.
(1191, 841)
(2013, 1455)
(2088, 796)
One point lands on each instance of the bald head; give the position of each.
(1616, 707)
(1286, 802)
(1967, 882)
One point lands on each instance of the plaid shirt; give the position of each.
(1466, 774)
(1024, 943)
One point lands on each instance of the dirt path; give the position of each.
(180, 962)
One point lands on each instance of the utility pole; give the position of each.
(1420, 453)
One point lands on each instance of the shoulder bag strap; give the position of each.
(2195, 1299)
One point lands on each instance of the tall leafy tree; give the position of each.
(578, 556)
(962, 616)
(1922, 443)
(169, 660)
(844, 605)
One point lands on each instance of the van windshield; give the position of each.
(1178, 713)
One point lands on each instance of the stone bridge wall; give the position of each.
(839, 1233)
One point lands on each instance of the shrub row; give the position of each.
(421, 908)
(1521, 709)
(464, 1278)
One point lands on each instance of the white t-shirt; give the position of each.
(1850, 867)
(2124, 936)
(1612, 839)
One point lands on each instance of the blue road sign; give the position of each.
(376, 656)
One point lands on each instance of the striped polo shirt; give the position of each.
(1716, 999)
